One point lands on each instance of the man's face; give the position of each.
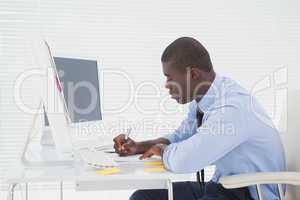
(178, 83)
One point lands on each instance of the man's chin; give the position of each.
(182, 100)
(179, 100)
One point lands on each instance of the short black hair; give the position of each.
(187, 52)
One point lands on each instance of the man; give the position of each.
(225, 127)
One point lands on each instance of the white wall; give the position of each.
(248, 41)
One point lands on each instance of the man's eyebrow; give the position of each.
(166, 74)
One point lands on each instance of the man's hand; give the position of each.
(129, 147)
(156, 150)
(125, 147)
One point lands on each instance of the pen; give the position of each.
(126, 136)
(128, 133)
(109, 151)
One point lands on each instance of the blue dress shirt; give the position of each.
(236, 136)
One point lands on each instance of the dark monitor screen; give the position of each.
(80, 82)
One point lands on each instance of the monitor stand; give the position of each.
(47, 138)
(48, 153)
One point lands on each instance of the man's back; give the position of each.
(262, 151)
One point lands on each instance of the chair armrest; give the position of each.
(244, 180)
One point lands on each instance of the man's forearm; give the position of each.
(146, 145)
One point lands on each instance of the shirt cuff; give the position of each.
(170, 137)
(165, 156)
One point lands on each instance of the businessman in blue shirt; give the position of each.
(225, 127)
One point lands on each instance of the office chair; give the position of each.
(289, 128)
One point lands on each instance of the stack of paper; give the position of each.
(97, 159)
(133, 158)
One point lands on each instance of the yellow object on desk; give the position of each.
(153, 163)
(155, 169)
(108, 171)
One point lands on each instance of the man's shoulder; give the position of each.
(231, 94)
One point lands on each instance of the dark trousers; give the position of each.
(191, 191)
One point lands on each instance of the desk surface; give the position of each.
(131, 176)
(80, 172)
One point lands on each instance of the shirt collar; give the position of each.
(212, 94)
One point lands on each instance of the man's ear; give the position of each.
(195, 73)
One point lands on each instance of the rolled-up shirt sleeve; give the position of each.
(187, 128)
(221, 132)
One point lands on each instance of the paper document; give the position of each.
(97, 159)
(134, 158)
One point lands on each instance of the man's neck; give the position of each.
(207, 84)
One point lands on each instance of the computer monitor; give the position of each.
(79, 78)
(59, 120)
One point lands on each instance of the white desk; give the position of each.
(132, 176)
